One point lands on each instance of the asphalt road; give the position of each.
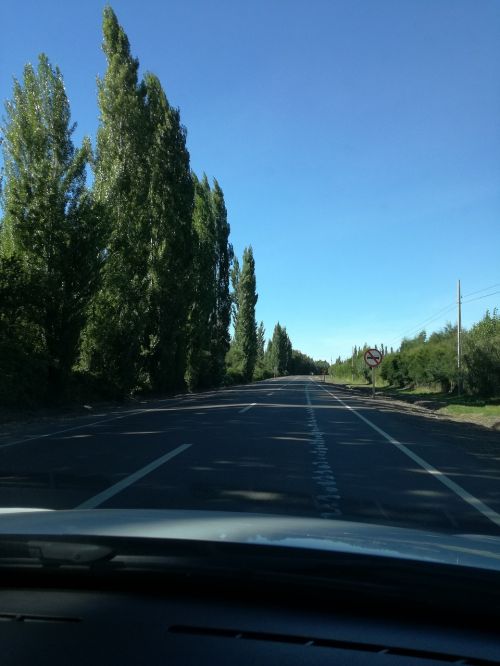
(283, 446)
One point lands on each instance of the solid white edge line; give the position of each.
(116, 488)
(245, 409)
(473, 501)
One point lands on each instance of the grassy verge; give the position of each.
(488, 415)
(484, 411)
(356, 383)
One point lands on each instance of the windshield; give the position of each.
(249, 265)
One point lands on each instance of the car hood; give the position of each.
(339, 536)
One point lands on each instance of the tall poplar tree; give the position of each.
(223, 259)
(202, 311)
(244, 351)
(235, 280)
(49, 226)
(116, 333)
(169, 217)
(279, 352)
(261, 342)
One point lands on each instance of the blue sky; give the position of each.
(357, 143)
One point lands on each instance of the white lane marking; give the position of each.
(473, 501)
(328, 496)
(245, 409)
(269, 393)
(134, 412)
(116, 488)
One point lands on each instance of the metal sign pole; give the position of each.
(373, 357)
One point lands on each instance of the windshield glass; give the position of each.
(249, 265)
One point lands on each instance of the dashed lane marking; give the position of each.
(328, 497)
(116, 488)
(245, 409)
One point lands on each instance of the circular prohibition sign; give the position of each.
(373, 357)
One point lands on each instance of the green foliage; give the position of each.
(204, 295)
(122, 287)
(353, 368)
(432, 361)
(482, 356)
(243, 354)
(50, 225)
(261, 370)
(301, 364)
(169, 227)
(222, 314)
(279, 352)
(116, 330)
(423, 361)
(23, 354)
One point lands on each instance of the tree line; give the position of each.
(123, 284)
(117, 273)
(431, 360)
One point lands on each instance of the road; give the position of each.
(285, 446)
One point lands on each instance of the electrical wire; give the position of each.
(478, 291)
(481, 297)
(429, 320)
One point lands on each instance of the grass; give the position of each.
(475, 409)
(342, 381)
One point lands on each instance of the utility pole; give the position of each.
(352, 365)
(459, 341)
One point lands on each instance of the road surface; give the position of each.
(285, 446)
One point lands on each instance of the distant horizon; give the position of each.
(358, 146)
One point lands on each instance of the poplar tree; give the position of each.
(244, 352)
(202, 311)
(279, 353)
(169, 211)
(261, 342)
(223, 258)
(49, 227)
(115, 338)
(235, 279)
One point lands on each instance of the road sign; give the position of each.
(373, 357)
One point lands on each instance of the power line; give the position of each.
(473, 293)
(481, 297)
(447, 309)
(429, 320)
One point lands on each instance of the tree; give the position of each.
(49, 226)
(223, 258)
(169, 209)
(482, 356)
(235, 280)
(261, 342)
(261, 371)
(204, 297)
(245, 335)
(23, 352)
(301, 364)
(115, 336)
(279, 351)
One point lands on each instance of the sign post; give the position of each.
(373, 358)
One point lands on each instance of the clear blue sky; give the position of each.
(357, 142)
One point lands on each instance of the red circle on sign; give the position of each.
(373, 357)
